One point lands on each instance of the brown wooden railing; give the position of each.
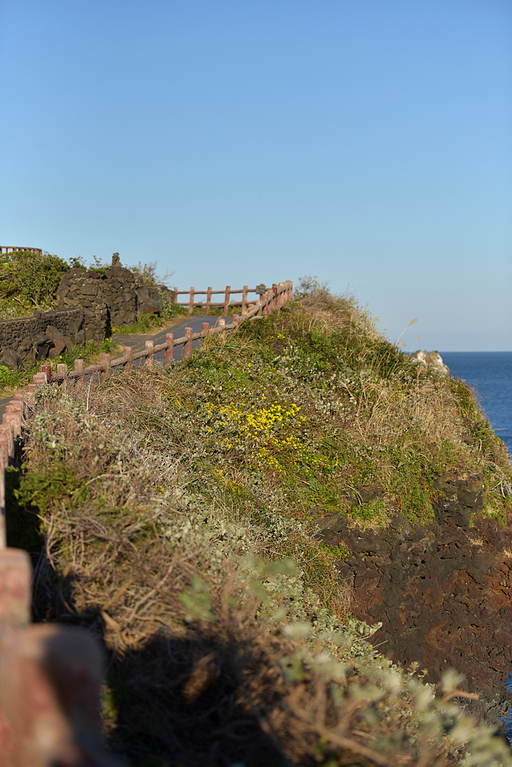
(191, 303)
(13, 249)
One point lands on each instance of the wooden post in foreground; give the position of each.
(169, 339)
(128, 355)
(105, 363)
(205, 331)
(62, 370)
(187, 348)
(15, 587)
(226, 301)
(79, 368)
(148, 362)
(236, 322)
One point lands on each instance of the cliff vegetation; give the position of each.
(179, 511)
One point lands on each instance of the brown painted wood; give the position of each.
(105, 364)
(169, 340)
(79, 370)
(150, 352)
(187, 349)
(226, 301)
(128, 354)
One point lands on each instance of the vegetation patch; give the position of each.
(17, 378)
(179, 510)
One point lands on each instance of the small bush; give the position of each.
(30, 280)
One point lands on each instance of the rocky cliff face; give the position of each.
(442, 590)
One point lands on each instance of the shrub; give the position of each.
(30, 279)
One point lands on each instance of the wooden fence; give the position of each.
(14, 248)
(60, 667)
(191, 303)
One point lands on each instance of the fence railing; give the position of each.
(14, 248)
(207, 304)
(60, 667)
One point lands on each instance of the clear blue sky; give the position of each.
(368, 142)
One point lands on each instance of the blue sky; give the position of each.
(368, 142)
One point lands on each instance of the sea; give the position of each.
(490, 376)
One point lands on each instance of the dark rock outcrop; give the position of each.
(115, 291)
(443, 590)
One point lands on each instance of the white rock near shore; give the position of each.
(433, 359)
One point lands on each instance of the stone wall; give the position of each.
(117, 289)
(113, 290)
(48, 334)
(442, 590)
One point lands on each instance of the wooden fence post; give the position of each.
(15, 587)
(7, 437)
(236, 322)
(48, 370)
(187, 348)
(205, 331)
(191, 301)
(105, 362)
(62, 370)
(208, 300)
(265, 298)
(274, 290)
(222, 326)
(244, 299)
(79, 368)
(128, 355)
(169, 339)
(148, 362)
(226, 301)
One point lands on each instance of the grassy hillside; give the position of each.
(178, 509)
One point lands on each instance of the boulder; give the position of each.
(150, 301)
(10, 358)
(433, 360)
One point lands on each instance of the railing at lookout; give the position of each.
(15, 248)
(61, 668)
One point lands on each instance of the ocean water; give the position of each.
(490, 375)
